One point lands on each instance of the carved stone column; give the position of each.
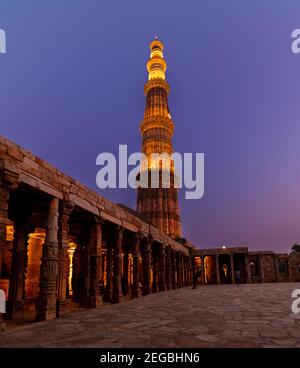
(155, 272)
(173, 269)
(168, 268)
(109, 274)
(162, 268)
(84, 277)
(125, 274)
(188, 269)
(117, 287)
(217, 268)
(146, 260)
(17, 295)
(184, 262)
(46, 303)
(136, 289)
(232, 269)
(94, 298)
(247, 269)
(9, 176)
(66, 208)
(203, 270)
(183, 271)
(178, 270)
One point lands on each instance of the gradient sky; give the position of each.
(71, 86)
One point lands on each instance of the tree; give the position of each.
(296, 248)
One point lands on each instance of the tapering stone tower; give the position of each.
(158, 205)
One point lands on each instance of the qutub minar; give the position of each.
(62, 244)
(158, 205)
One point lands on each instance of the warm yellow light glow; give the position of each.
(156, 65)
(34, 254)
(10, 233)
(130, 269)
(71, 250)
(157, 53)
(158, 161)
(38, 234)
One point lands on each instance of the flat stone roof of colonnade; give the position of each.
(39, 174)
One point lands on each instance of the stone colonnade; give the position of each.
(156, 265)
(254, 266)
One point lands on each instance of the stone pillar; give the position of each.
(9, 176)
(162, 268)
(173, 270)
(66, 208)
(155, 272)
(46, 303)
(168, 268)
(117, 286)
(17, 295)
(109, 274)
(146, 287)
(136, 289)
(217, 268)
(183, 269)
(261, 268)
(84, 278)
(187, 271)
(232, 269)
(247, 269)
(124, 276)
(189, 279)
(203, 270)
(94, 298)
(179, 270)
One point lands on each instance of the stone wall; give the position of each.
(269, 268)
(294, 267)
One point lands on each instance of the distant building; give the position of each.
(219, 265)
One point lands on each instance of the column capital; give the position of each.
(162, 248)
(9, 175)
(67, 207)
(138, 236)
(167, 249)
(150, 240)
(99, 220)
(120, 229)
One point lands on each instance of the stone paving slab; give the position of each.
(253, 315)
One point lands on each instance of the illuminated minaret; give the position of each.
(158, 205)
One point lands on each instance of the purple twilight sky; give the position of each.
(72, 87)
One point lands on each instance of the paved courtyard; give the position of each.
(257, 315)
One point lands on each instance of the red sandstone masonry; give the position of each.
(37, 173)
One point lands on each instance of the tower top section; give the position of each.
(156, 65)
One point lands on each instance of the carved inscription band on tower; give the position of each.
(158, 205)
